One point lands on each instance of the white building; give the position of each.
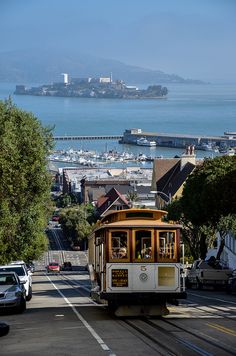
(65, 78)
(105, 80)
(228, 256)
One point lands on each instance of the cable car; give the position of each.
(134, 262)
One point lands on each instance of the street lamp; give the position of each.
(158, 192)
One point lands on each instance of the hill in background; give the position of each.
(46, 66)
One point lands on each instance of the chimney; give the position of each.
(188, 156)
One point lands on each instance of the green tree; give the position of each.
(209, 196)
(196, 237)
(25, 183)
(210, 192)
(132, 197)
(63, 201)
(75, 222)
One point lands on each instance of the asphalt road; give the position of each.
(61, 319)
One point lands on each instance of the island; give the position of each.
(101, 87)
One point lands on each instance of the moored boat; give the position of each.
(144, 142)
(209, 147)
(230, 152)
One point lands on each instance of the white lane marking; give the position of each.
(220, 300)
(86, 324)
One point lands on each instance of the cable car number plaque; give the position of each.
(119, 277)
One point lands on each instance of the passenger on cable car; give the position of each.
(122, 253)
(146, 253)
(114, 254)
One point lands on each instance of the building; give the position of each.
(112, 201)
(91, 183)
(65, 78)
(169, 176)
(228, 256)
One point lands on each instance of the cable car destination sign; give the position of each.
(119, 277)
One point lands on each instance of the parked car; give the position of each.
(207, 273)
(67, 266)
(53, 267)
(28, 266)
(31, 267)
(24, 276)
(231, 285)
(12, 292)
(75, 247)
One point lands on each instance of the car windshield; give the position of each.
(53, 264)
(19, 270)
(7, 279)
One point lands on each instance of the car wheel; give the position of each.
(21, 308)
(233, 288)
(29, 296)
(188, 283)
(4, 329)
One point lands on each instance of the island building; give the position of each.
(65, 78)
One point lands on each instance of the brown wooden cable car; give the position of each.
(134, 262)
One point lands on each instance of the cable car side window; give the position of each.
(119, 247)
(166, 245)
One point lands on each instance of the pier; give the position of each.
(200, 142)
(97, 137)
(130, 136)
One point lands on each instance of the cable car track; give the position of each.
(191, 332)
(156, 333)
(170, 342)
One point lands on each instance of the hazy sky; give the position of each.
(191, 38)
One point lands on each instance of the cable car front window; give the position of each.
(119, 245)
(143, 245)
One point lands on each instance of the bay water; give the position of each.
(203, 109)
